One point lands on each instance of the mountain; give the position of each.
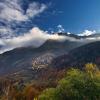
(76, 36)
(28, 62)
(44, 62)
(70, 35)
(79, 56)
(20, 58)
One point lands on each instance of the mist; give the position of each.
(35, 37)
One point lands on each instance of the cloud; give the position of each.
(87, 33)
(35, 9)
(6, 32)
(12, 11)
(35, 37)
(60, 28)
(15, 19)
(68, 33)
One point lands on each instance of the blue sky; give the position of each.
(75, 15)
(19, 16)
(28, 22)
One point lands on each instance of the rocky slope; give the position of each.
(89, 53)
(44, 62)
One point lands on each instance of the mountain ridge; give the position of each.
(32, 63)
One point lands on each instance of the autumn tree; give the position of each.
(77, 85)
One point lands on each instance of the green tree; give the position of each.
(77, 85)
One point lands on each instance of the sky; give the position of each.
(75, 16)
(25, 22)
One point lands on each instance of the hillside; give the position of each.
(31, 63)
(79, 56)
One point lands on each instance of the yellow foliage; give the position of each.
(91, 69)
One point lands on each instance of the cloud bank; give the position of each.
(87, 33)
(35, 37)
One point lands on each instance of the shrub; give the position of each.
(77, 85)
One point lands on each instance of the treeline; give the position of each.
(76, 85)
(18, 90)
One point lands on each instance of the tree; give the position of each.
(30, 93)
(76, 85)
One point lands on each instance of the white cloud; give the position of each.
(60, 28)
(12, 11)
(87, 33)
(34, 37)
(68, 33)
(6, 32)
(34, 9)
(12, 15)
